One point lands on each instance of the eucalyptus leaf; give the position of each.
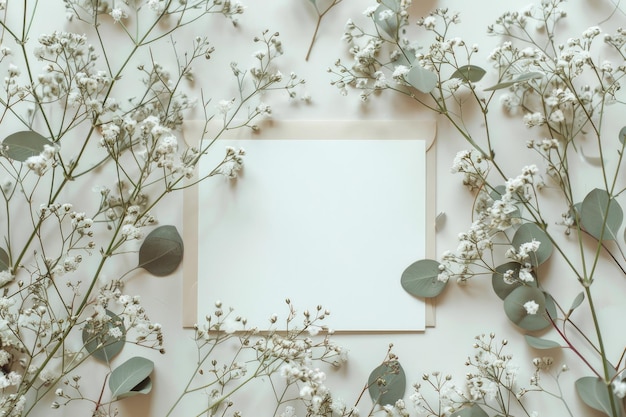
(600, 215)
(595, 393)
(503, 288)
(387, 383)
(529, 232)
(98, 340)
(622, 135)
(162, 251)
(24, 144)
(516, 312)
(5, 262)
(577, 301)
(421, 279)
(469, 73)
(473, 411)
(421, 79)
(550, 306)
(520, 78)
(130, 378)
(390, 25)
(539, 343)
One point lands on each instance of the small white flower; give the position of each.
(526, 275)
(369, 12)
(429, 22)
(225, 105)
(531, 307)
(557, 116)
(619, 388)
(118, 14)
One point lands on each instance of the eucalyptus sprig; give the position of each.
(91, 150)
(562, 85)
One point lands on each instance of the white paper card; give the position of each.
(321, 222)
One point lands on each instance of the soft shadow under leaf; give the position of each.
(421, 279)
(22, 145)
(387, 383)
(162, 251)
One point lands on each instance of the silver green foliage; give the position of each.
(540, 343)
(98, 340)
(469, 73)
(529, 232)
(420, 279)
(162, 251)
(387, 383)
(131, 378)
(519, 79)
(421, 79)
(516, 312)
(593, 392)
(22, 145)
(600, 215)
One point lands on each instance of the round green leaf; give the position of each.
(131, 378)
(421, 79)
(539, 343)
(502, 288)
(600, 215)
(161, 251)
(420, 279)
(473, 411)
(469, 73)
(22, 145)
(387, 383)
(622, 135)
(529, 232)
(5, 263)
(595, 393)
(516, 312)
(98, 340)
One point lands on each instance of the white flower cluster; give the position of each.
(312, 388)
(492, 368)
(474, 167)
(232, 163)
(40, 163)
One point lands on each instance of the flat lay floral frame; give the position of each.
(64, 261)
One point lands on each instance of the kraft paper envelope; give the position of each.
(264, 235)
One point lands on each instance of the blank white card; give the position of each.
(321, 222)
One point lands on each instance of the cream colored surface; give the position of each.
(462, 312)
